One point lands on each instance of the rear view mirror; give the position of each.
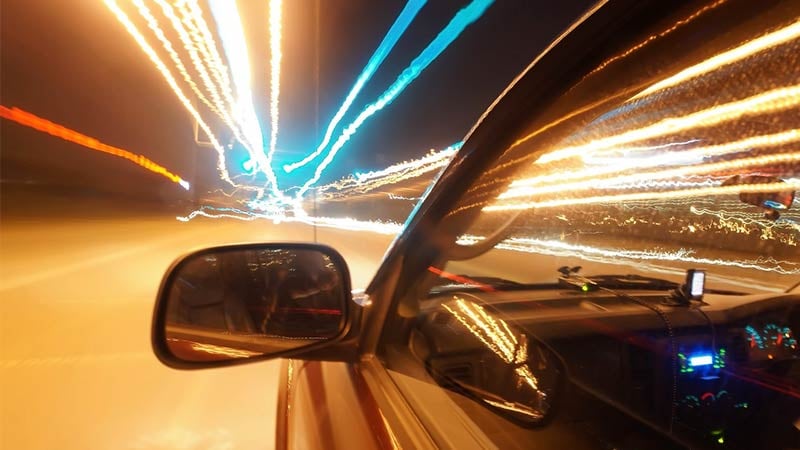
(771, 202)
(233, 303)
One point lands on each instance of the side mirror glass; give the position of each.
(245, 301)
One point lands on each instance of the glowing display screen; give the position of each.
(701, 360)
(697, 281)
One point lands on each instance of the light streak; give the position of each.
(634, 258)
(737, 54)
(496, 335)
(222, 351)
(649, 196)
(435, 158)
(37, 123)
(654, 37)
(342, 223)
(396, 173)
(767, 102)
(170, 79)
(645, 178)
(514, 407)
(457, 25)
(612, 256)
(617, 256)
(400, 197)
(201, 33)
(397, 29)
(275, 82)
(196, 42)
(658, 184)
(627, 159)
(782, 230)
(601, 158)
(600, 67)
(229, 26)
(152, 23)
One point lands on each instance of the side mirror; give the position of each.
(230, 304)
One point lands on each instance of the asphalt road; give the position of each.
(76, 297)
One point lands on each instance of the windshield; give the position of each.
(693, 166)
(624, 274)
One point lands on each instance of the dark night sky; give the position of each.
(73, 63)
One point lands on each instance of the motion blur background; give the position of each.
(106, 177)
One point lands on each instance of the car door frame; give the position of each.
(571, 55)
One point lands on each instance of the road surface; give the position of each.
(76, 297)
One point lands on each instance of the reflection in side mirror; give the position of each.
(244, 301)
(483, 357)
(771, 202)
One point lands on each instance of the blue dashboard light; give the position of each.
(701, 360)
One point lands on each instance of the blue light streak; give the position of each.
(460, 21)
(392, 36)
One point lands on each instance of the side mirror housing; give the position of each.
(249, 302)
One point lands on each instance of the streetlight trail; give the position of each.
(275, 32)
(453, 30)
(771, 101)
(750, 48)
(170, 79)
(229, 26)
(397, 29)
(37, 123)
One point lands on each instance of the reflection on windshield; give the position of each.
(672, 162)
(696, 169)
(496, 335)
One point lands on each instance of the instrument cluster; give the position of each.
(770, 341)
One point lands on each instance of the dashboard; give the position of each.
(734, 381)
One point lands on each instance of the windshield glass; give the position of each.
(694, 167)
(624, 274)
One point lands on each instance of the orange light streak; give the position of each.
(654, 37)
(645, 177)
(767, 102)
(37, 123)
(637, 196)
(622, 164)
(732, 56)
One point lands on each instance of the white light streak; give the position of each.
(767, 102)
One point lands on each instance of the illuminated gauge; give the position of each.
(754, 338)
(779, 337)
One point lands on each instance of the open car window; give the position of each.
(566, 314)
